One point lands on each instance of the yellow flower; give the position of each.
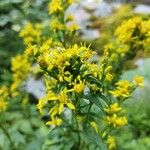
(122, 89)
(94, 125)
(138, 81)
(64, 100)
(116, 121)
(55, 25)
(73, 27)
(111, 142)
(41, 103)
(31, 49)
(31, 33)
(113, 108)
(55, 122)
(70, 1)
(79, 87)
(109, 77)
(3, 105)
(123, 84)
(55, 6)
(122, 92)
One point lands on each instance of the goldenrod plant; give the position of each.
(83, 98)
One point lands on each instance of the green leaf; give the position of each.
(94, 99)
(94, 81)
(93, 138)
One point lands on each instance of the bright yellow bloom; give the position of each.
(94, 125)
(70, 1)
(31, 49)
(41, 103)
(31, 33)
(122, 89)
(123, 84)
(113, 108)
(21, 67)
(73, 27)
(55, 122)
(3, 105)
(138, 81)
(111, 142)
(56, 25)
(116, 121)
(55, 6)
(122, 92)
(79, 87)
(64, 100)
(109, 77)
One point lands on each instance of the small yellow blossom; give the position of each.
(79, 87)
(56, 25)
(113, 108)
(111, 142)
(55, 122)
(116, 121)
(138, 81)
(122, 89)
(64, 100)
(55, 6)
(3, 105)
(94, 125)
(73, 27)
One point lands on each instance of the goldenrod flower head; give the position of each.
(31, 50)
(122, 89)
(79, 87)
(109, 77)
(116, 121)
(111, 142)
(55, 6)
(31, 33)
(69, 17)
(56, 25)
(70, 1)
(3, 105)
(113, 108)
(94, 125)
(138, 81)
(55, 122)
(123, 84)
(64, 100)
(121, 92)
(73, 27)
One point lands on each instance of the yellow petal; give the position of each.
(70, 105)
(61, 106)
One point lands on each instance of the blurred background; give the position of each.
(98, 20)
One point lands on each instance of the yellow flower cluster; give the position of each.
(116, 121)
(111, 142)
(4, 94)
(124, 88)
(31, 33)
(20, 66)
(126, 30)
(69, 67)
(55, 6)
(73, 81)
(112, 118)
